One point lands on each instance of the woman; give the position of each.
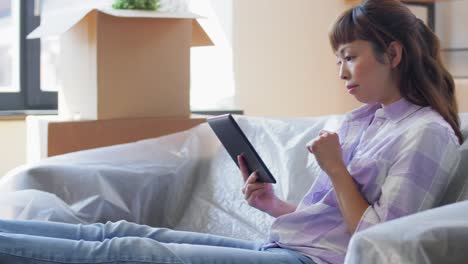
(390, 158)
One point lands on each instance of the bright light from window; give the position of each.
(212, 75)
(9, 46)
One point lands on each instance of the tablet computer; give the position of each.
(236, 143)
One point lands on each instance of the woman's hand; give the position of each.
(261, 195)
(258, 194)
(327, 151)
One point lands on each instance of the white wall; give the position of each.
(12, 144)
(451, 27)
(284, 65)
(223, 11)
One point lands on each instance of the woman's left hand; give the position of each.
(327, 151)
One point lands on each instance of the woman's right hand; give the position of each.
(259, 195)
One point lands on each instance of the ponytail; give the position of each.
(429, 82)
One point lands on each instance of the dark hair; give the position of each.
(423, 79)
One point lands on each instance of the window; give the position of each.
(20, 59)
(212, 75)
(9, 47)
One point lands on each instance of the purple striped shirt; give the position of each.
(401, 158)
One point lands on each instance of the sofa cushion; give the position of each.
(458, 189)
(438, 235)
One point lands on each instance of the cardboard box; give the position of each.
(49, 135)
(66, 137)
(121, 63)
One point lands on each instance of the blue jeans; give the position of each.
(123, 242)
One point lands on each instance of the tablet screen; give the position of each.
(236, 143)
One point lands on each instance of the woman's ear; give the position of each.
(394, 53)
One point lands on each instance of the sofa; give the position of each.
(187, 181)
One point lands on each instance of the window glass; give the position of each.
(9, 46)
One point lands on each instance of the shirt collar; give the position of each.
(362, 112)
(399, 110)
(395, 112)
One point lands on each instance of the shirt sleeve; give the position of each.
(424, 162)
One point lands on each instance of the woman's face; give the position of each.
(369, 80)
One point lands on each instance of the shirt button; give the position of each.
(379, 113)
(379, 121)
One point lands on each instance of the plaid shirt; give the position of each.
(401, 158)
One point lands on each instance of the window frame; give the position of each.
(430, 5)
(30, 96)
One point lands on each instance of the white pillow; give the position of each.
(458, 188)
